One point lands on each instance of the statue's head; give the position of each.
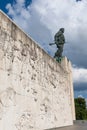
(62, 30)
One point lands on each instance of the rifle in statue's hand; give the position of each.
(51, 44)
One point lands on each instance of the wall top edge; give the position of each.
(23, 31)
(31, 38)
(16, 25)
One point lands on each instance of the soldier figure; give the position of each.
(59, 41)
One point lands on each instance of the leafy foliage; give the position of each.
(80, 108)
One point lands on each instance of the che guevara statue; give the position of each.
(59, 40)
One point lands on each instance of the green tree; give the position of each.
(80, 108)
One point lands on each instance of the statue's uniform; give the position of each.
(59, 41)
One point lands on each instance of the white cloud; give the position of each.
(80, 96)
(80, 75)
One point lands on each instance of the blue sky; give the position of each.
(41, 19)
(3, 4)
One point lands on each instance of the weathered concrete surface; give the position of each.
(78, 125)
(35, 91)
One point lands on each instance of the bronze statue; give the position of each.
(59, 40)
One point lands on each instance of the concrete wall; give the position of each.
(36, 92)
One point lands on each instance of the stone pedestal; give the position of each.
(36, 92)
